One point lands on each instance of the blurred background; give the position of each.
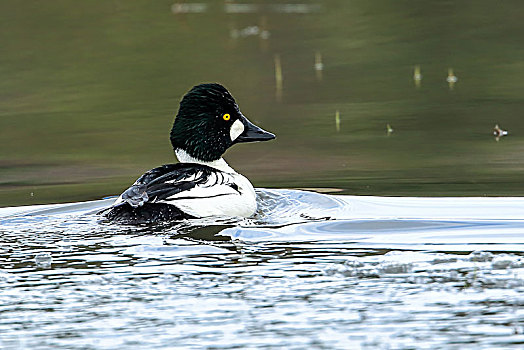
(365, 97)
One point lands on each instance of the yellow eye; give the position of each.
(226, 116)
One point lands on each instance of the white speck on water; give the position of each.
(504, 261)
(265, 34)
(43, 259)
(480, 256)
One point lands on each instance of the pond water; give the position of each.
(308, 271)
(379, 107)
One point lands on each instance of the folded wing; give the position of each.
(170, 182)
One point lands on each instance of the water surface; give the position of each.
(308, 271)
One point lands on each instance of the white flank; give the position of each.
(236, 129)
(210, 199)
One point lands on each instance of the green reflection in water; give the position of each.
(89, 90)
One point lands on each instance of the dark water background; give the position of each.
(89, 89)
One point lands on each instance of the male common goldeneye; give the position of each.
(202, 184)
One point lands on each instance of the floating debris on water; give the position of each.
(318, 61)
(417, 76)
(241, 8)
(319, 66)
(498, 132)
(248, 31)
(179, 8)
(337, 120)
(245, 32)
(451, 79)
(291, 8)
(389, 129)
(295, 8)
(278, 78)
(43, 259)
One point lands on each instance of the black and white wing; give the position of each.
(184, 191)
(174, 181)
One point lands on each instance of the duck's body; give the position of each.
(202, 184)
(185, 191)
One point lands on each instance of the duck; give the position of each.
(201, 184)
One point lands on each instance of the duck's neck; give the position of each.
(220, 164)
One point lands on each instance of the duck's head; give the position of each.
(209, 122)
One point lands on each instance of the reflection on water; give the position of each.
(417, 76)
(309, 271)
(451, 79)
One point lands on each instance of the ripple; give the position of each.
(308, 271)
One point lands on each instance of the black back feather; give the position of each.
(140, 200)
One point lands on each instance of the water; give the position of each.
(87, 104)
(375, 98)
(308, 271)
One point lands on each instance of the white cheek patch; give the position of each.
(236, 129)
